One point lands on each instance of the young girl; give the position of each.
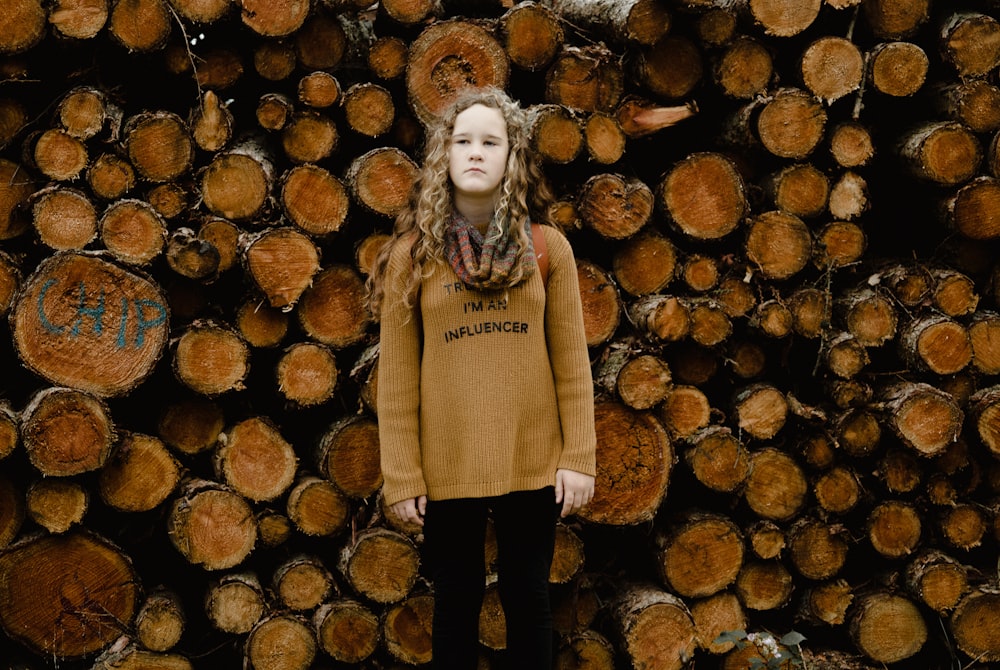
(485, 398)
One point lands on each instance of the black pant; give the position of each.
(454, 538)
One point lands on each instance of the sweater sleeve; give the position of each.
(398, 400)
(569, 356)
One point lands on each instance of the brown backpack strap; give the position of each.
(541, 252)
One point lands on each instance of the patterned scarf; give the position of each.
(484, 263)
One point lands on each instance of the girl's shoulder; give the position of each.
(555, 240)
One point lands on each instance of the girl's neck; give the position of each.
(477, 212)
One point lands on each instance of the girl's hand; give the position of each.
(574, 490)
(411, 510)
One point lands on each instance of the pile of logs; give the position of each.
(785, 215)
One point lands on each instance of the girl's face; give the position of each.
(477, 158)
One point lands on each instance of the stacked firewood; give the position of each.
(785, 216)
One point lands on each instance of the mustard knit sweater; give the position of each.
(483, 393)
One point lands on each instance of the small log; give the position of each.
(66, 431)
(64, 218)
(261, 325)
(662, 317)
(938, 580)
(655, 627)
(746, 359)
(924, 417)
(301, 582)
(857, 431)
(817, 449)
(849, 198)
(936, 343)
(601, 303)
(587, 649)
(274, 528)
(893, 20)
(897, 69)
(381, 179)
(202, 11)
(57, 504)
(274, 111)
(718, 459)
(816, 549)
(273, 19)
(700, 273)
(58, 155)
(632, 22)
(845, 356)
(701, 556)
(159, 146)
(43, 590)
(716, 26)
(281, 262)
(894, 528)
(735, 294)
(110, 176)
(684, 411)
(131, 657)
(235, 602)
(714, 616)
(974, 625)
(224, 236)
(784, 18)
(827, 603)
(839, 243)
(766, 539)
(744, 69)
(556, 133)
(254, 460)
(837, 490)
(942, 152)
(169, 199)
(887, 628)
(869, 315)
(348, 455)
(773, 318)
(235, 184)
(801, 189)
(139, 475)
(984, 337)
(346, 630)
(333, 310)
(969, 43)
(380, 564)
(211, 526)
(704, 196)
(613, 207)
(211, 123)
(368, 109)
(974, 103)
(306, 374)
(191, 425)
(671, 68)
(133, 231)
(779, 244)
(900, 471)
(406, 629)
(447, 56)
(281, 642)
(776, 487)
(387, 57)
(161, 621)
(78, 19)
(211, 358)
(585, 79)
(567, 557)
(274, 60)
(633, 466)
(531, 35)
(317, 507)
(764, 585)
(832, 67)
(83, 112)
(971, 210)
(761, 410)
(851, 144)
(140, 25)
(954, 293)
(645, 263)
(791, 123)
(963, 526)
(319, 89)
(192, 257)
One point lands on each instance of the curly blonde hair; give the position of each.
(524, 194)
